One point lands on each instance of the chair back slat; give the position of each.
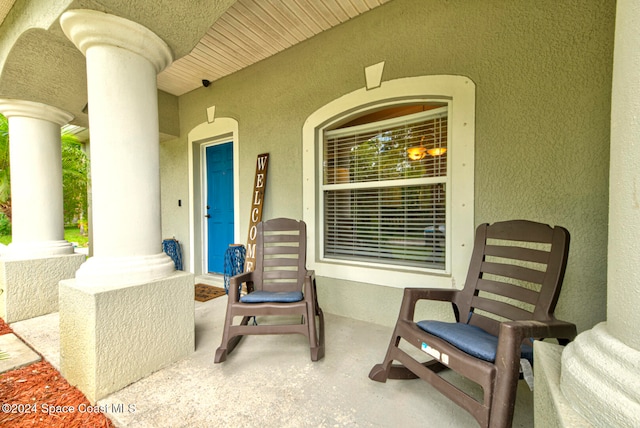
(279, 250)
(280, 262)
(501, 308)
(508, 290)
(280, 274)
(520, 230)
(277, 236)
(518, 253)
(515, 273)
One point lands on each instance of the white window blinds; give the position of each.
(384, 191)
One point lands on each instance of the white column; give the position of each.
(36, 179)
(123, 59)
(600, 375)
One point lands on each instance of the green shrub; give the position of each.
(5, 225)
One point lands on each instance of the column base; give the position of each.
(113, 336)
(600, 378)
(29, 287)
(32, 250)
(101, 271)
(551, 408)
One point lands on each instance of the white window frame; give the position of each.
(459, 92)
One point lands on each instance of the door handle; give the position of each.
(207, 216)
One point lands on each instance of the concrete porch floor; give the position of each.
(270, 381)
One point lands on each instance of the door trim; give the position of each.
(221, 130)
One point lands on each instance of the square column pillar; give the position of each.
(111, 337)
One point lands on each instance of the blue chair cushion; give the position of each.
(470, 339)
(272, 297)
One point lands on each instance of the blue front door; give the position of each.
(219, 204)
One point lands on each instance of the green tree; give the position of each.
(75, 175)
(5, 173)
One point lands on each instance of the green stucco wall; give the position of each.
(543, 76)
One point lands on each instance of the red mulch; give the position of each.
(4, 328)
(38, 396)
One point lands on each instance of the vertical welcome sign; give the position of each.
(257, 200)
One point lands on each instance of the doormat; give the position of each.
(206, 292)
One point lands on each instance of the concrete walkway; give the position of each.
(270, 381)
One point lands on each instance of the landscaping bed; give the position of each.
(38, 396)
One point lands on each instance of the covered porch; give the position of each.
(550, 139)
(269, 381)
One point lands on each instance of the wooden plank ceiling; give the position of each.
(252, 30)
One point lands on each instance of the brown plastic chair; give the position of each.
(511, 291)
(279, 285)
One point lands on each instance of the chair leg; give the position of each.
(228, 343)
(317, 351)
(321, 331)
(386, 370)
(383, 371)
(221, 355)
(380, 372)
(316, 340)
(505, 388)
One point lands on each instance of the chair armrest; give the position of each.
(552, 328)
(512, 333)
(236, 281)
(413, 295)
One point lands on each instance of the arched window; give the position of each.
(388, 190)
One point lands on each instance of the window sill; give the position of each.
(395, 276)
